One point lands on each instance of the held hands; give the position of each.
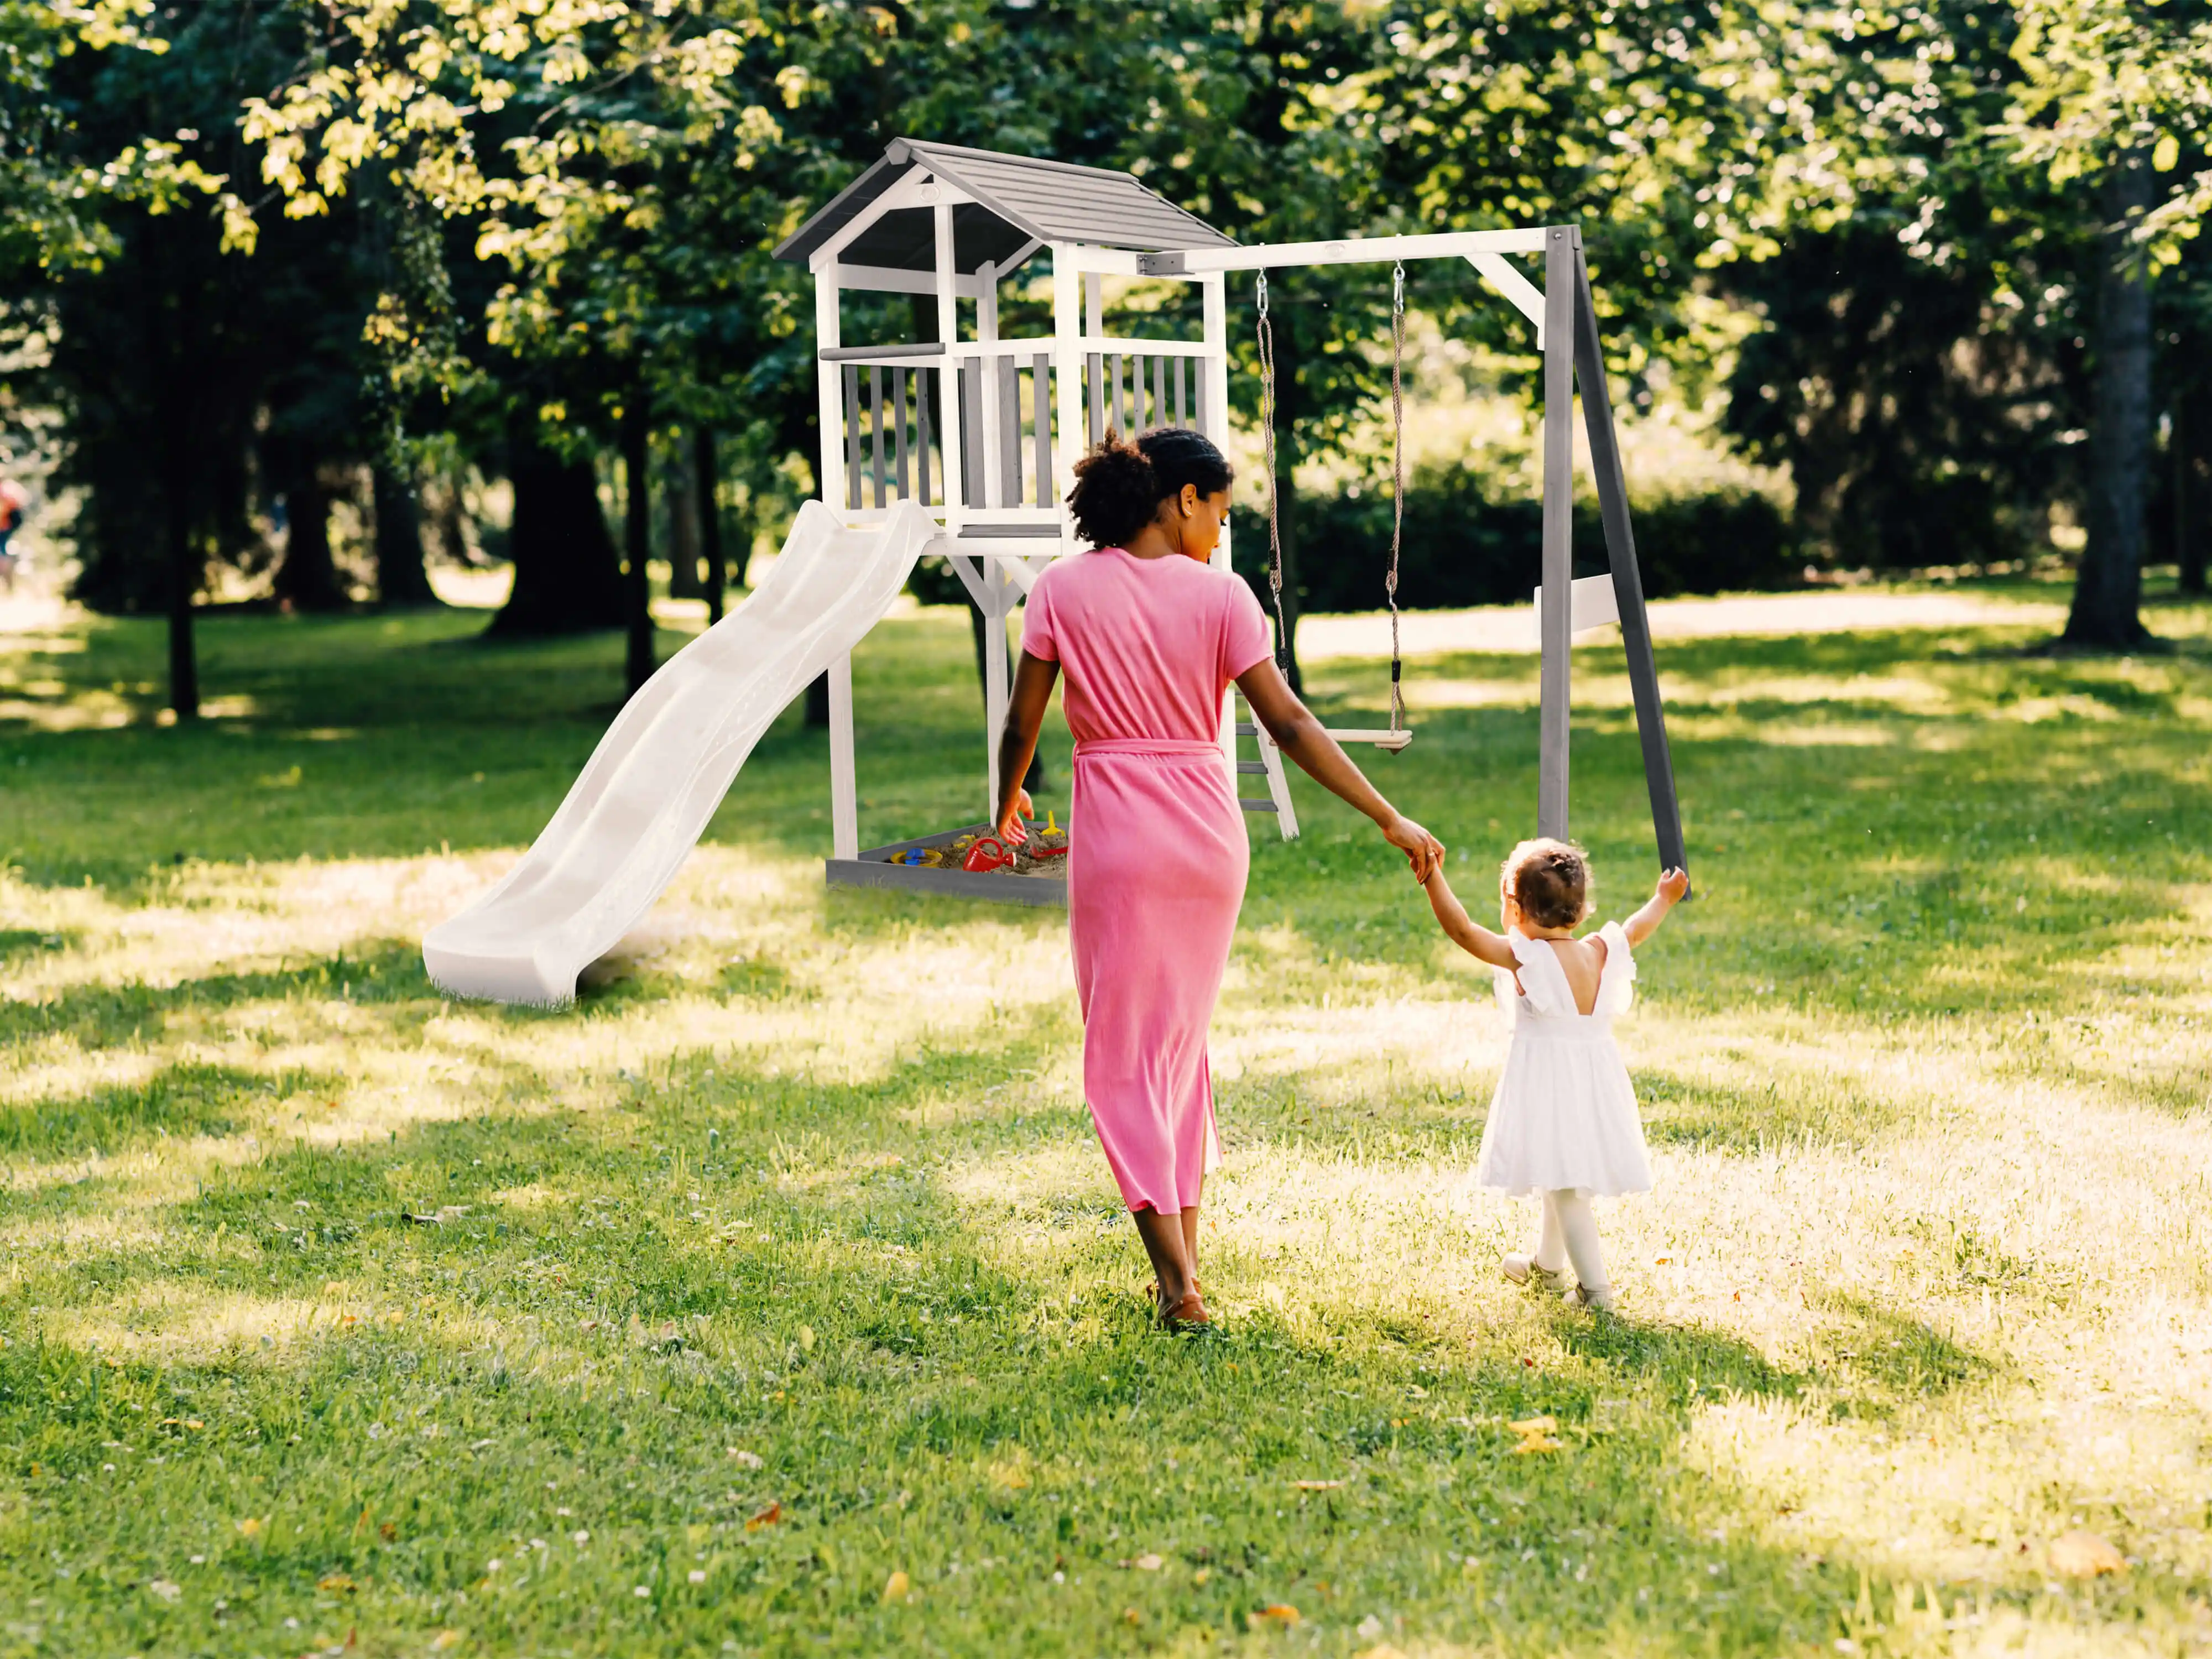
(1423, 851)
(1010, 825)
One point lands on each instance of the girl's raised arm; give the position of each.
(1645, 922)
(1470, 935)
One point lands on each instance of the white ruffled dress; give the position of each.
(1565, 1114)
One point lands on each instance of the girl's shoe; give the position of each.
(1521, 1269)
(1582, 1297)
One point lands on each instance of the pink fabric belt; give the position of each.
(1144, 746)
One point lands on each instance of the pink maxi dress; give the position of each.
(1156, 856)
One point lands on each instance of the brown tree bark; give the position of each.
(2108, 591)
(402, 579)
(568, 578)
(307, 580)
(706, 479)
(637, 513)
(2188, 443)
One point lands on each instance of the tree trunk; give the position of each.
(637, 512)
(2188, 440)
(401, 579)
(185, 570)
(1287, 495)
(566, 578)
(309, 578)
(2108, 592)
(706, 478)
(680, 495)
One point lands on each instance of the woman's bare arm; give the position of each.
(1470, 935)
(1300, 736)
(1034, 678)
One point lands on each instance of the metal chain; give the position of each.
(1266, 341)
(1397, 481)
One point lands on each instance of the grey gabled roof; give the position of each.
(1017, 199)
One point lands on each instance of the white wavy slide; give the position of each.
(645, 796)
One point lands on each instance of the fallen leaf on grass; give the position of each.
(1535, 1425)
(446, 1639)
(767, 1518)
(1316, 1485)
(251, 1527)
(1146, 1563)
(164, 1589)
(336, 1581)
(896, 1587)
(1281, 1614)
(746, 1460)
(2085, 1555)
(1535, 1443)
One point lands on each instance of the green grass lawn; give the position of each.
(776, 1298)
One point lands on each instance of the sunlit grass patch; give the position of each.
(786, 1262)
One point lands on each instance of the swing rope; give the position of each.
(1397, 484)
(1274, 521)
(1267, 344)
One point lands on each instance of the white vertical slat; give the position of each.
(948, 379)
(1094, 304)
(986, 333)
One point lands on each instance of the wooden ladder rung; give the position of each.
(1252, 805)
(1246, 729)
(1258, 769)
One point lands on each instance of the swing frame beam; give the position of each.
(1567, 335)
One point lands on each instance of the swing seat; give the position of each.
(1381, 737)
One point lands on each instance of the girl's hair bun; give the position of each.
(1120, 484)
(1550, 880)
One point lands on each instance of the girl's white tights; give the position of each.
(1569, 1233)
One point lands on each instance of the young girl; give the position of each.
(1563, 1124)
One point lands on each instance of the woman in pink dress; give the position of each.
(1150, 637)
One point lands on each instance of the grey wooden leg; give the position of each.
(1628, 579)
(1553, 719)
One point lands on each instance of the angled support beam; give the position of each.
(1628, 579)
(1561, 259)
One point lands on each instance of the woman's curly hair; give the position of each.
(1119, 485)
(1550, 880)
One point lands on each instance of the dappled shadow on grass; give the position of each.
(185, 1098)
(95, 1016)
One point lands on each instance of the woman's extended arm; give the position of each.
(1300, 736)
(1032, 694)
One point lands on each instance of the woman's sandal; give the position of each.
(1187, 1314)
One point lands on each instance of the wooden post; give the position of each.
(1553, 717)
(1628, 579)
(1067, 380)
(949, 378)
(986, 369)
(829, 391)
(844, 789)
